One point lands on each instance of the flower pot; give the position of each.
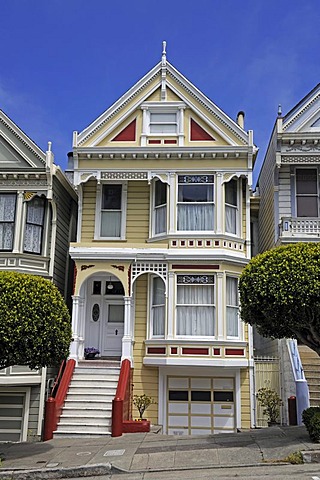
(90, 356)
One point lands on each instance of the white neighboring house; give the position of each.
(38, 209)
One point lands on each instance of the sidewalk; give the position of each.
(142, 452)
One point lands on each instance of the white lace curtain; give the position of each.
(232, 307)
(196, 217)
(7, 214)
(160, 219)
(111, 224)
(34, 225)
(195, 310)
(158, 307)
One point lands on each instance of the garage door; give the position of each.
(11, 416)
(200, 405)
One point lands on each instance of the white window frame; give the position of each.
(150, 108)
(13, 223)
(151, 279)
(235, 207)
(214, 305)
(213, 203)
(233, 307)
(154, 208)
(43, 226)
(99, 196)
(316, 195)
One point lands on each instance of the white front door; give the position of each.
(112, 328)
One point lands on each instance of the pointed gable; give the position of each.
(305, 116)
(162, 102)
(17, 150)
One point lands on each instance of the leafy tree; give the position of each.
(35, 328)
(280, 293)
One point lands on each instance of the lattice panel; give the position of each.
(149, 267)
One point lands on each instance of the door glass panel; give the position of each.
(223, 396)
(178, 395)
(200, 396)
(116, 314)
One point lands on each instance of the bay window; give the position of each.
(232, 302)
(195, 203)
(195, 305)
(34, 226)
(7, 219)
(231, 206)
(111, 211)
(160, 207)
(158, 307)
(307, 192)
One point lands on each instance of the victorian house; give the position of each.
(289, 213)
(38, 208)
(163, 178)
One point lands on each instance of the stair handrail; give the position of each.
(302, 388)
(54, 404)
(121, 402)
(57, 379)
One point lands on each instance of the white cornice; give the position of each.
(96, 253)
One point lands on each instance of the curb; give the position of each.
(311, 456)
(53, 473)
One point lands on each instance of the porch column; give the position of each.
(74, 347)
(127, 334)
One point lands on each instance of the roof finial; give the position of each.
(279, 110)
(164, 53)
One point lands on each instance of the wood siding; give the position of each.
(245, 398)
(145, 379)
(284, 192)
(267, 207)
(66, 214)
(138, 212)
(88, 211)
(33, 413)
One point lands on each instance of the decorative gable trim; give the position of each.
(128, 134)
(23, 138)
(292, 116)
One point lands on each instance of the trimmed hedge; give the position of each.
(311, 419)
(35, 326)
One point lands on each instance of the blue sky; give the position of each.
(63, 62)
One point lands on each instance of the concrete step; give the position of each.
(93, 387)
(93, 383)
(83, 428)
(84, 396)
(96, 371)
(87, 411)
(70, 434)
(88, 403)
(95, 377)
(85, 419)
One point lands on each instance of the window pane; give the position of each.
(306, 180)
(158, 293)
(232, 307)
(178, 395)
(232, 291)
(196, 217)
(7, 207)
(160, 193)
(116, 314)
(158, 315)
(163, 117)
(32, 239)
(6, 236)
(195, 294)
(110, 224)
(160, 221)
(223, 396)
(307, 206)
(163, 128)
(200, 396)
(35, 211)
(111, 197)
(231, 220)
(195, 321)
(231, 192)
(196, 193)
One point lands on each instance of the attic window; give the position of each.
(161, 123)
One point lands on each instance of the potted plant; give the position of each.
(142, 402)
(271, 403)
(90, 353)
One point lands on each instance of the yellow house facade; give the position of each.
(163, 178)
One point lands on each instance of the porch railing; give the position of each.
(303, 226)
(55, 403)
(302, 389)
(121, 404)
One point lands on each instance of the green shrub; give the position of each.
(311, 419)
(35, 327)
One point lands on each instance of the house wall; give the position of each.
(267, 206)
(145, 379)
(285, 200)
(245, 398)
(137, 230)
(33, 413)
